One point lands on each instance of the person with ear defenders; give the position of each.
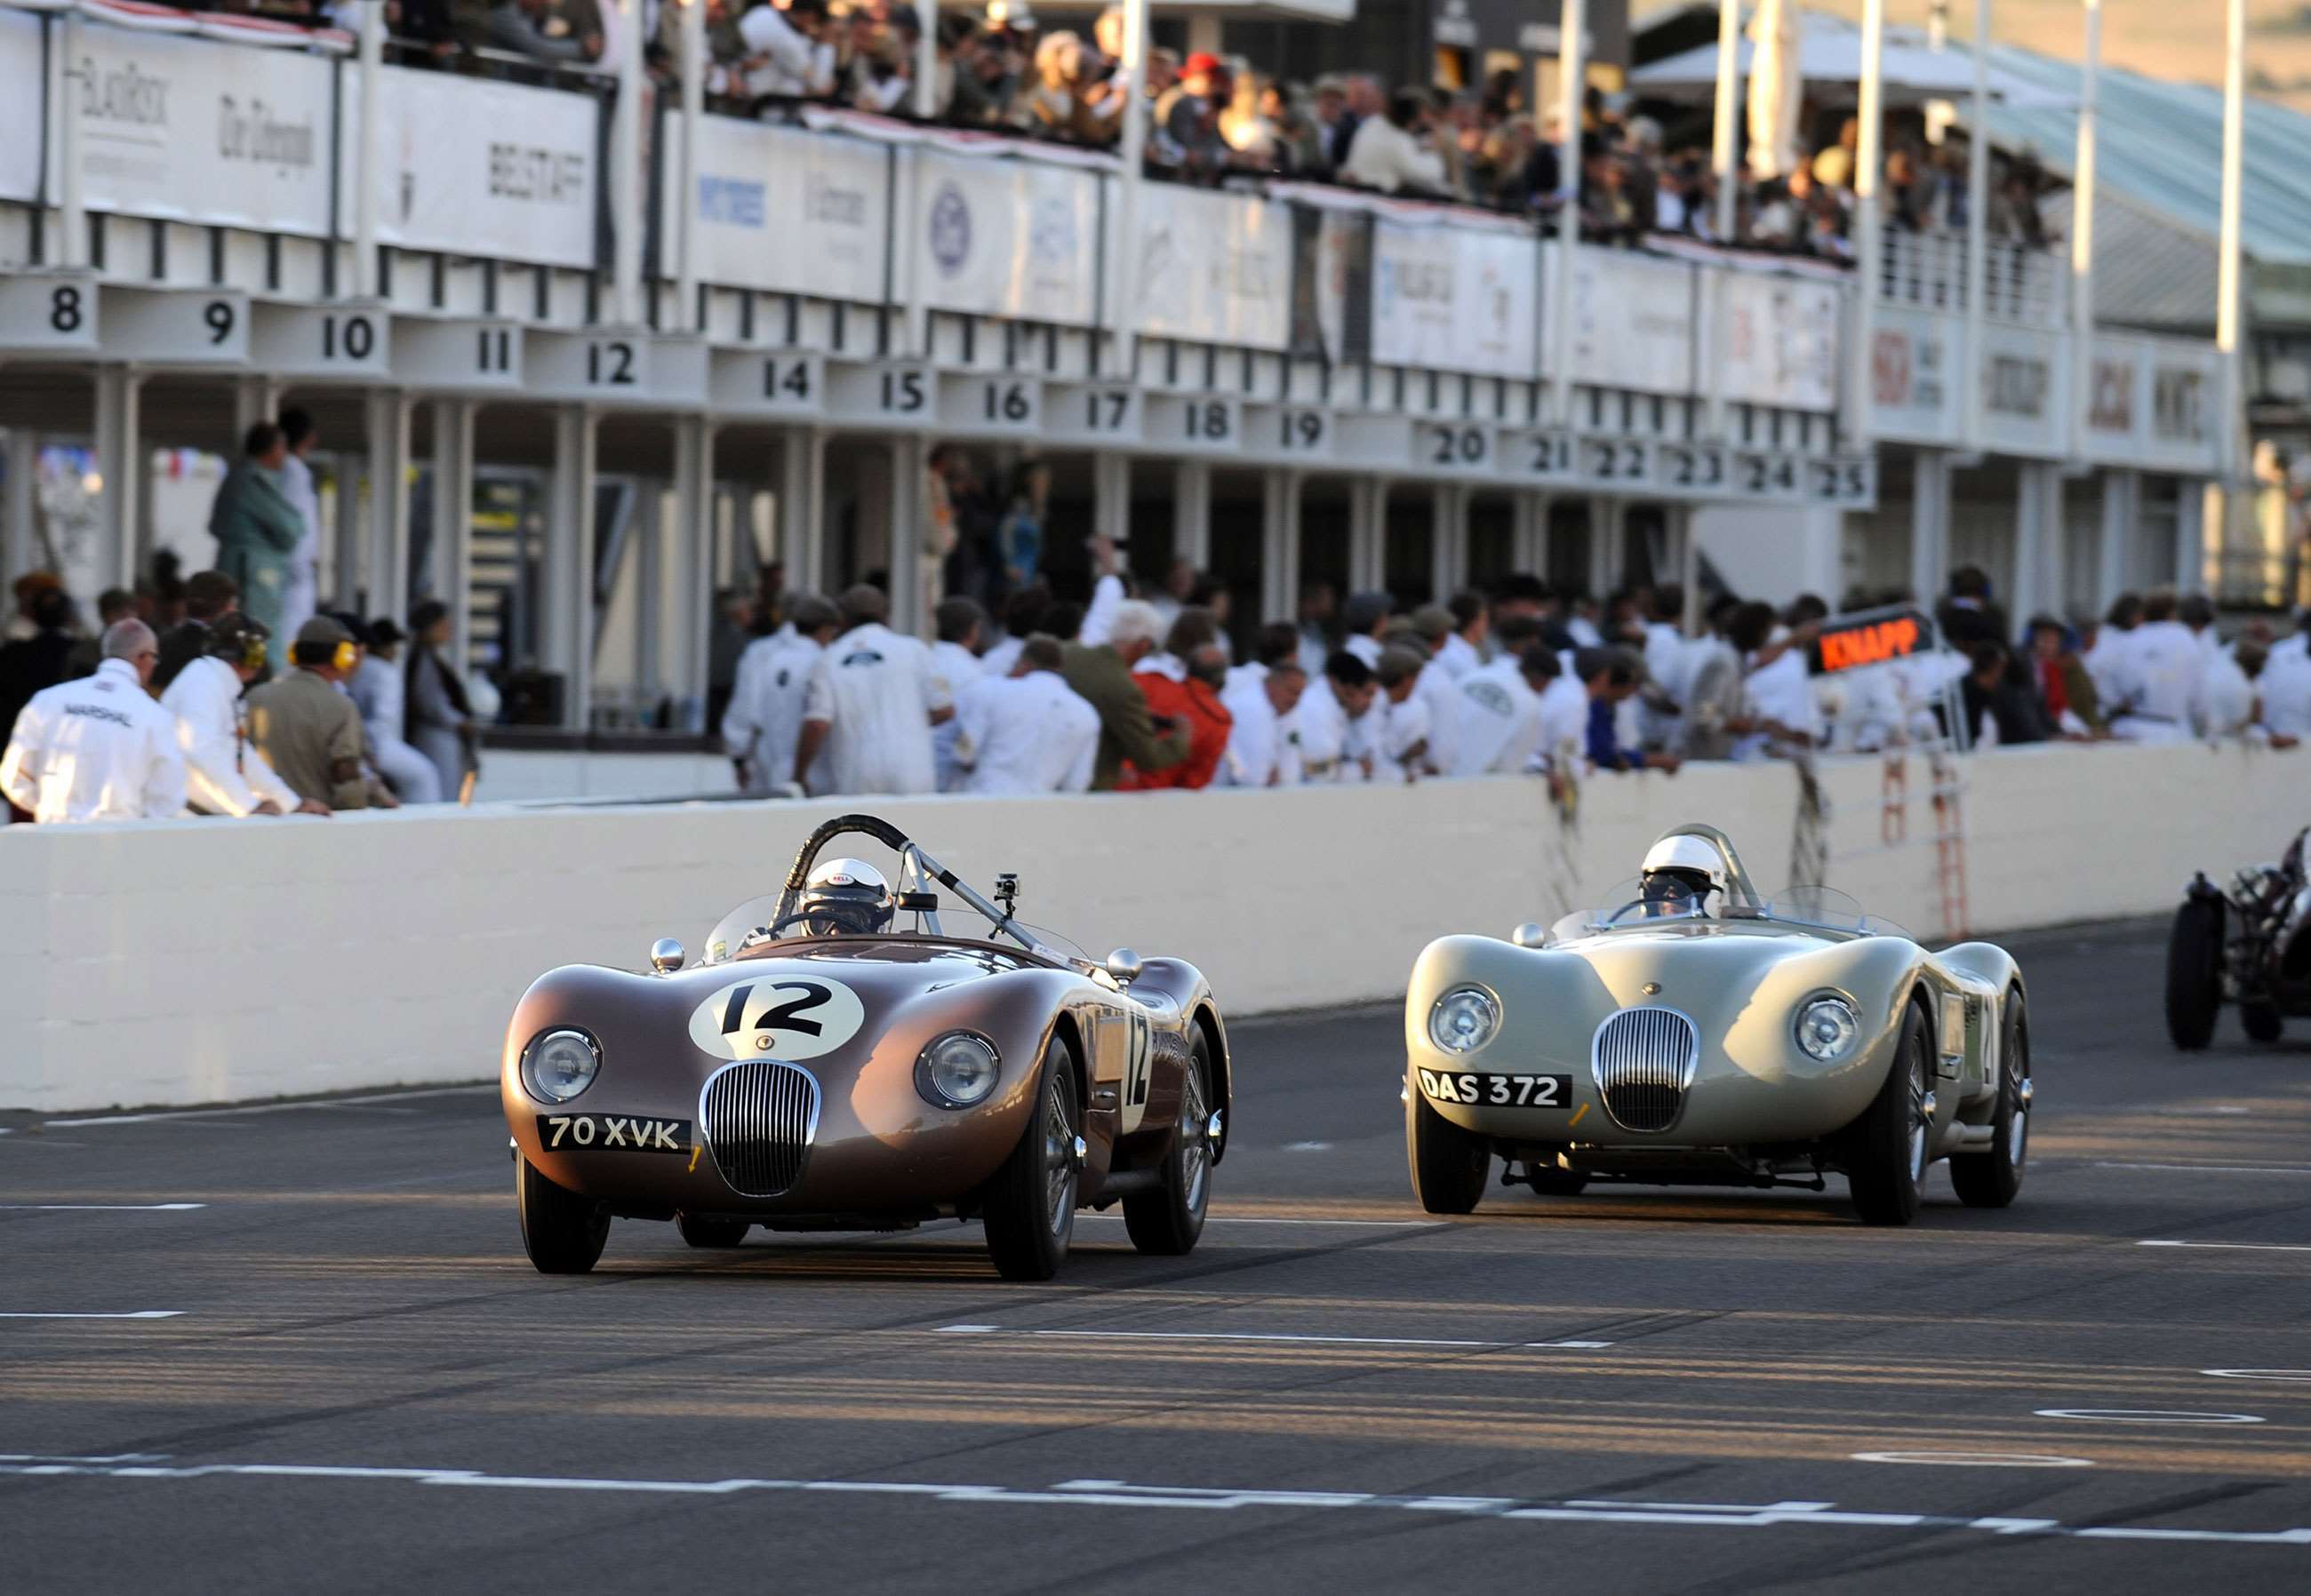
(223, 776)
(309, 731)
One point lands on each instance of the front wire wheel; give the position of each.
(1449, 1164)
(1991, 1179)
(1167, 1221)
(563, 1232)
(1030, 1206)
(1886, 1148)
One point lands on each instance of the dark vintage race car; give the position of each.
(2248, 943)
(823, 1068)
(1698, 1032)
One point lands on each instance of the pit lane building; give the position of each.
(581, 355)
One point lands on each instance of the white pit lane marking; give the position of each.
(1307, 1146)
(101, 1208)
(2285, 1376)
(140, 1313)
(1124, 1335)
(1255, 1219)
(2235, 1246)
(166, 1116)
(1975, 1460)
(2220, 1169)
(2149, 1415)
(1111, 1494)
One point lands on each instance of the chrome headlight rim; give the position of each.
(927, 1085)
(529, 1058)
(1840, 1049)
(1488, 1006)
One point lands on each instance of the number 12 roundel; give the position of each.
(777, 1016)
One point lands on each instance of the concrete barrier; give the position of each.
(192, 962)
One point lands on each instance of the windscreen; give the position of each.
(1633, 905)
(752, 922)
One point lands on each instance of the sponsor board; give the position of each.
(1454, 297)
(1015, 239)
(782, 210)
(23, 137)
(1214, 268)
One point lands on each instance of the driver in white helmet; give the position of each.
(845, 897)
(1683, 875)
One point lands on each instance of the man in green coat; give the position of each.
(1101, 674)
(256, 525)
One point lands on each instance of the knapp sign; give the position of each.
(1873, 639)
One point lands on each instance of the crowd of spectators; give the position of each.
(1209, 118)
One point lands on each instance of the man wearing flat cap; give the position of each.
(308, 730)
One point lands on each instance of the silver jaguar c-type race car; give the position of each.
(1697, 1033)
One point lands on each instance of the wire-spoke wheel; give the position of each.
(1168, 1220)
(1886, 1149)
(1030, 1206)
(1990, 1178)
(563, 1232)
(1449, 1165)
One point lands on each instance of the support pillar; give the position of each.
(2191, 535)
(1607, 526)
(651, 532)
(694, 562)
(916, 582)
(1191, 513)
(389, 415)
(1448, 541)
(2037, 541)
(1688, 570)
(254, 399)
(1110, 497)
(19, 480)
(1368, 533)
(1930, 510)
(566, 643)
(802, 485)
(345, 477)
(1528, 551)
(1280, 550)
(2122, 508)
(119, 437)
(451, 573)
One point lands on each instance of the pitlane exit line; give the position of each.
(139, 1314)
(1116, 1493)
(2237, 1246)
(1126, 1335)
(101, 1208)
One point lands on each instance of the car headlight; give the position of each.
(957, 1069)
(1464, 1019)
(1827, 1026)
(559, 1064)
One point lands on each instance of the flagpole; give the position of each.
(1729, 96)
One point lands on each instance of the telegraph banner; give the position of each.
(1634, 320)
(1215, 268)
(782, 210)
(1914, 376)
(1778, 342)
(1454, 297)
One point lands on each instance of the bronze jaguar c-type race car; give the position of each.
(823, 1068)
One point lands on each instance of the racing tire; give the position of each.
(562, 1232)
(1449, 1165)
(1991, 1179)
(711, 1233)
(1886, 1148)
(2262, 1021)
(2194, 972)
(1166, 1222)
(1029, 1209)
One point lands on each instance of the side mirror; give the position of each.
(1124, 966)
(667, 955)
(1532, 934)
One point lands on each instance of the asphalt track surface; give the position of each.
(362, 1386)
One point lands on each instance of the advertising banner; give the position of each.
(20, 108)
(782, 210)
(1016, 239)
(1779, 343)
(1914, 376)
(472, 167)
(2021, 391)
(1215, 268)
(2184, 401)
(179, 128)
(1633, 320)
(2113, 399)
(1454, 297)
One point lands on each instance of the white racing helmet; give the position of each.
(1684, 867)
(845, 897)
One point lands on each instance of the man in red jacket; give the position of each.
(1183, 686)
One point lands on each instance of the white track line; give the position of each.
(102, 1208)
(2220, 1169)
(1109, 1494)
(161, 1116)
(1255, 1219)
(140, 1313)
(2235, 1246)
(1121, 1335)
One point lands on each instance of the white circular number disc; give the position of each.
(777, 1016)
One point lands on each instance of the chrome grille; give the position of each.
(1643, 1061)
(758, 1119)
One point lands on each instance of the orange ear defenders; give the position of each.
(345, 657)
